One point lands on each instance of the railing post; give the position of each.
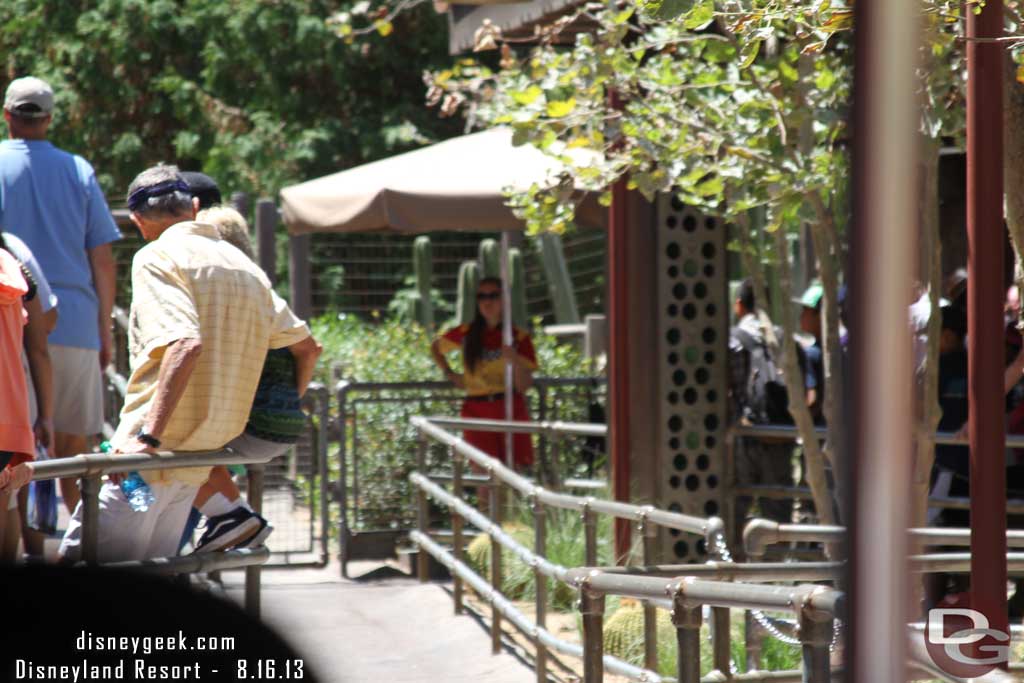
(240, 200)
(540, 548)
(592, 611)
(457, 524)
(542, 442)
(343, 533)
(422, 569)
(721, 651)
(752, 640)
(323, 398)
(90, 487)
(589, 536)
(648, 532)
(266, 239)
(816, 630)
(687, 621)
(299, 275)
(254, 490)
(495, 502)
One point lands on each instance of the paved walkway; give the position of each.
(395, 629)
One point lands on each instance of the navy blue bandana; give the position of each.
(141, 196)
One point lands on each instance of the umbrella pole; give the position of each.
(506, 333)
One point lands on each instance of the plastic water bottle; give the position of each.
(137, 491)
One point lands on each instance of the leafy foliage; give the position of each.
(256, 94)
(729, 107)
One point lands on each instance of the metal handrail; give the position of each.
(815, 606)
(486, 525)
(95, 464)
(760, 533)
(91, 466)
(792, 433)
(708, 528)
(646, 517)
(518, 427)
(540, 634)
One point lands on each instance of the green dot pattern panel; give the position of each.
(693, 341)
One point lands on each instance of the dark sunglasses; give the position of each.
(485, 296)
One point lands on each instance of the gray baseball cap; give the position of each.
(30, 97)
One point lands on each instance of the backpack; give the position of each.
(766, 399)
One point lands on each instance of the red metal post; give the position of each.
(618, 350)
(984, 313)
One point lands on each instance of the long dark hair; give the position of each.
(473, 343)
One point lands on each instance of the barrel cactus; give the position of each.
(490, 258)
(624, 631)
(517, 284)
(560, 288)
(517, 577)
(423, 306)
(469, 280)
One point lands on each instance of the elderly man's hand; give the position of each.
(132, 445)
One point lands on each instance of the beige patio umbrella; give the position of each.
(457, 184)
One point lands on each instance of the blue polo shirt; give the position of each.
(51, 200)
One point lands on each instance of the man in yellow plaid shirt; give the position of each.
(202, 319)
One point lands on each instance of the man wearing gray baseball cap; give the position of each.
(52, 201)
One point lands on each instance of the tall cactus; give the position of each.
(490, 258)
(423, 307)
(465, 303)
(560, 288)
(517, 284)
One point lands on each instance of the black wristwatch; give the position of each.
(147, 438)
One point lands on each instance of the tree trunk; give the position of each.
(828, 252)
(790, 365)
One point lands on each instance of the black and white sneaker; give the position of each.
(260, 537)
(229, 530)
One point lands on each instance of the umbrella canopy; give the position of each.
(457, 184)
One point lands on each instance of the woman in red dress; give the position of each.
(483, 377)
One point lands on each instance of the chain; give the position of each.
(767, 623)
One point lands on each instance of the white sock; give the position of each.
(218, 504)
(243, 503)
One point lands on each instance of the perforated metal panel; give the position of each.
(693, 330)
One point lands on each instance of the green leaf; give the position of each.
(528, 96)
(700, 15)
(749, 53)
(719, 51)
(711, 187)
(825, 79)
(560, 108)
(623, 16)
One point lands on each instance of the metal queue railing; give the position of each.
(91, 467)
(359, 540)
(1014, 506)
(758, 534)
(718, 585)
(646, 517)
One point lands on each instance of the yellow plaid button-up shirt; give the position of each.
(190, 284)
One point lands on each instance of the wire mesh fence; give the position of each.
(360, 274)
